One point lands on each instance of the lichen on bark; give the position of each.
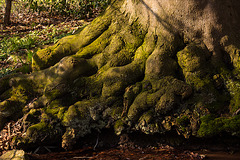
(151, 66)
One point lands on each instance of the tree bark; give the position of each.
(152, 66)
(7, 12)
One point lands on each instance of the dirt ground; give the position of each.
(121, 154)
(137, 146)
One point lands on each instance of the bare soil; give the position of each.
(137, 146)
(120, 154)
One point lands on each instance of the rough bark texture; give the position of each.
(152, 66)
(7, 12)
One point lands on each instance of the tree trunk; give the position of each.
(151, 66)
(7, 12)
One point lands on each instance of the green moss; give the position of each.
(116, 112)
(193, 61)
(232, 125)
(115, 45)
(69, 45)
(70, 115)
(62, 75)
(7, 107)
(20, 93)
(197, 81)
(51, 55)
(37, 131)
(118, 78)
(235, 103)
(122, 58)
(160, 63)
(18, 97)
(143, 52)
(234, 89)
(33, 116)
(76, 112)
(52, 92)
(234, 53)
(137, 29)
(119, 127)
(96, 46)
(147, 117)
(138, 107)
(56, 109)
(61, 111)
(114, 89)
(166, 103)
(42, 129)
(34, 129)
(163, 94)
(211, 126)
(183, 121)
(203, 77)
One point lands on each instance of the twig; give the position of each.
(96, 143)
(35, 152)
(9, 129)
(47, 149)
(82, 157)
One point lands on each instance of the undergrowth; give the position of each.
(36, 23)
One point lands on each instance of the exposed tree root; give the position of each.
(118, 72)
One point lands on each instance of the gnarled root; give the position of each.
(117, 72)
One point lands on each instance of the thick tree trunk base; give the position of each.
(118, 72)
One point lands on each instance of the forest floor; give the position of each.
(137, 146)
(121, 154)
(30, 31)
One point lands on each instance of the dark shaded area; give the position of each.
(106, 145)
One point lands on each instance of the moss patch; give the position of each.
(211, 126)
(193, 61)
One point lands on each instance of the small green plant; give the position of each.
(5, 71)
(16, 51)
(14, 44)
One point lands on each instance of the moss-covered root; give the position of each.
(15, 100)
(80, 119)
(47, 84)
(193, 60)
(233, 84)
(234, 53)
(156, 100)
(211, 126)
(70, 45)
(162, 60)
(206, 78)
(4, 84)
(91, 40)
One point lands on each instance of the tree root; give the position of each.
(116, 72)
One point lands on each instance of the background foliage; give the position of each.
(76, 8)
(36, 23)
